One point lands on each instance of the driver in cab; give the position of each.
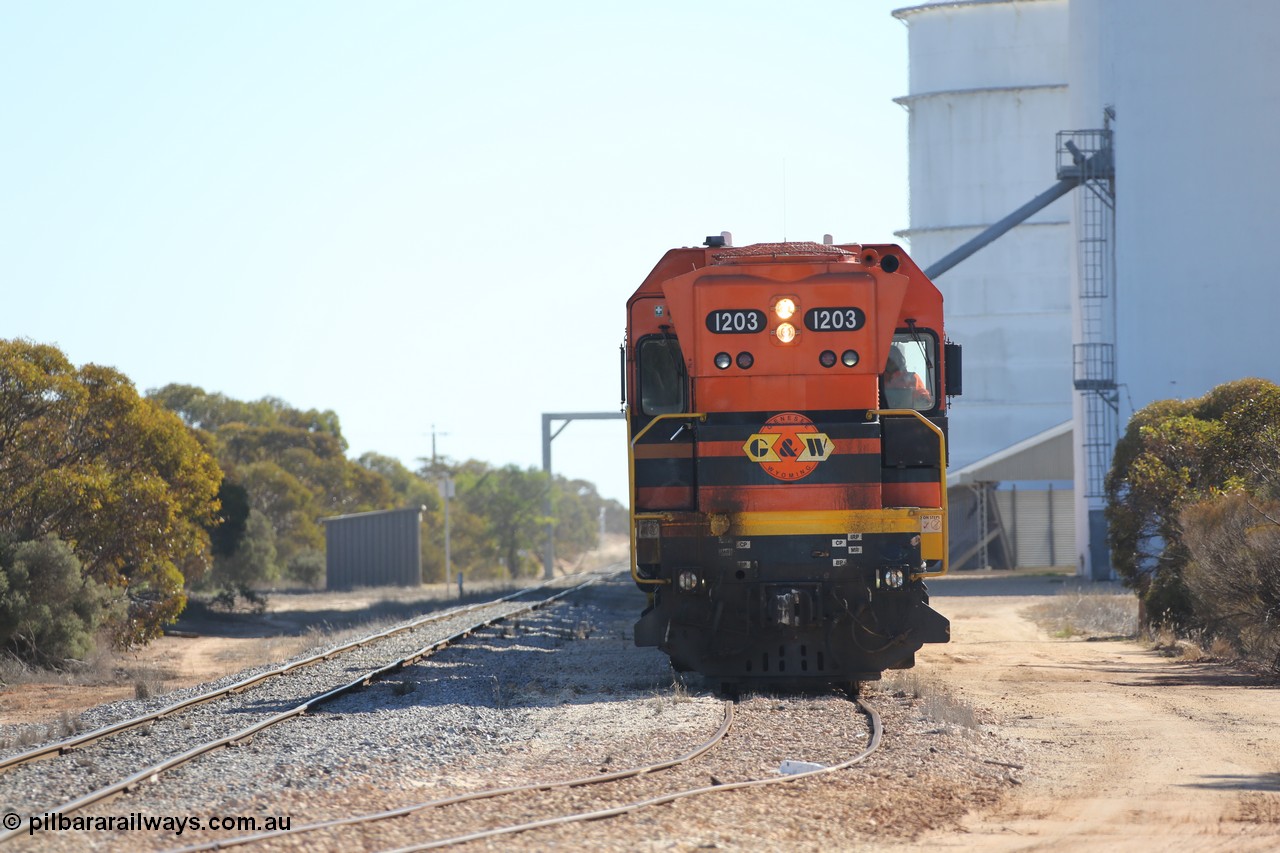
(904, 389)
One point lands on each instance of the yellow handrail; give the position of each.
(631, 482)
(942, 484)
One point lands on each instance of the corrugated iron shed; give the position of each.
(382, 548)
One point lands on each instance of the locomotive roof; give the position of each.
(776, 250)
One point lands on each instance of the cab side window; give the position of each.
(662, 376)
(909, 378)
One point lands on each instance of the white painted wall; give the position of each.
(987, 96)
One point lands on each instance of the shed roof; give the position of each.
(1044, 456)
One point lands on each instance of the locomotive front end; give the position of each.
(787, 448)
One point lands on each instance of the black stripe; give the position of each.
(849, 416)
(832, 418)
(840, 469)
(653, 473)
(909, 475)
(741, 432)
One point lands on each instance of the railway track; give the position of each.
(166, 738)
(523, 727)
(78, 741)
(672, 793)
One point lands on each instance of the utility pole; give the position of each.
(447, 492)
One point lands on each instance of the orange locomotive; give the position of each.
(786, 405)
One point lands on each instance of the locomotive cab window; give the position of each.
(662, 376)
(910, 374)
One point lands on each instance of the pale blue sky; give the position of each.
(420, 213)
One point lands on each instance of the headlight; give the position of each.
(786, 332)
(894, 578)
(688, 581)
(784, 308)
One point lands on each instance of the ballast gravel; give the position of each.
(557, 694)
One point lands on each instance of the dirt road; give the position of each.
(1128, 750)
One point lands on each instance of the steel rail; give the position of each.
(358, 683)
(64, 746)
(877, 730)
(224, 843)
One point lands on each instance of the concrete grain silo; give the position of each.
(988, 94)
(1194, 90)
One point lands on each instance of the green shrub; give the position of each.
(1174, 454)
(49, 612)
(307, 567)
(253, 564)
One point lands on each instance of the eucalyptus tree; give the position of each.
(130, 489)
(1175, 455)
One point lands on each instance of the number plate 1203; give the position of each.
(736, 321)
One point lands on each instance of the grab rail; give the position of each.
(631, 484)
(942, 484)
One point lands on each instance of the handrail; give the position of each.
(942, 485)
(631, 480)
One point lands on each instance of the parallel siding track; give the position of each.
(479, 616)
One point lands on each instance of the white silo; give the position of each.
(988, 93)
(1195, 90)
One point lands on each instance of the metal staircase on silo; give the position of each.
(1087, 157)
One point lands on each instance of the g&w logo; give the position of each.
(788, 446)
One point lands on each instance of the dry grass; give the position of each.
(1103, 615)
(1077, 613)
(13, 670)
(1221, 649)
(1258, 808)
(934, 701)
(103, 668)
(24, 737)
(1192, 646)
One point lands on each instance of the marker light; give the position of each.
(784, 308)
(849, 357)
(723, 360)
(745, 360)
(786, 332)
(827, 358)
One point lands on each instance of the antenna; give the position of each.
(784, 199)
(434, 433)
